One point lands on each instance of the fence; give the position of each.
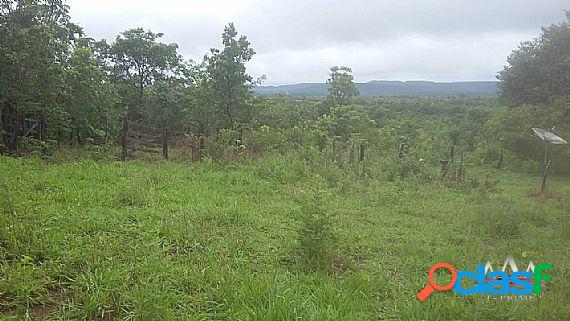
(355, 150)
(138, 137)
(15, 125)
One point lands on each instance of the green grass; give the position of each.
(149, 241)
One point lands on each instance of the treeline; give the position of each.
(57, 84)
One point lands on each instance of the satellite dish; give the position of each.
(549, 137)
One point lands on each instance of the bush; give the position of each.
(501, 221)
(134, 193)
(317, 242)
(36, 148)
(512, 129)
(393, 168)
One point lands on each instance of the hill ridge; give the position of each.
(390, 88)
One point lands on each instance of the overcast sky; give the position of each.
(298, 40)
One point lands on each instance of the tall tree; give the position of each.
(341, 86)
(35, 42)
(227, 77)
(538, 72)
(91, 97)
(203, 111)
(140, 61)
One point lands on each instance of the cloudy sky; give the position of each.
(298, 40)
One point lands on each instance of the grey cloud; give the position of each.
(315, 23)
(414, 57)
(298, 40)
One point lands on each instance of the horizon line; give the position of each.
(377, 80)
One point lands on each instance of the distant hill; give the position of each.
(390, 88)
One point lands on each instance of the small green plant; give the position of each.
(134, 194)
(317, 242)
(486, 188)
(392, 168)
(6, 204)
(37, 148)
(501, 221)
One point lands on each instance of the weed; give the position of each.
(317, 242)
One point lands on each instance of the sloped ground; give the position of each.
(150, 241)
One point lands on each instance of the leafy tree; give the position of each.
(347, 122)
(227, 79)
(285, 113)
(341, 86)
(91, 96)
(140, 61)
(538, 72)
(511, 129)
(35, 41)
(169, 99)
(202, 110)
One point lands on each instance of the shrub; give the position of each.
(393, 168)
(317, 242)
(134, 194)
(501, 221)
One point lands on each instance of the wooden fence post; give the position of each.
(340, 155)
(352, 151)
(461, 169)
(1, 129)
(19, 132)
(125, 138)
(361, 158)
(500, 160)
(543, 187)
(201, 142)
(322, 142)
(444, 167)
(231, 157)
(402, 151)
(42, 130)
(334, 148)
(336, 152)
(165, 140)
(201, 146)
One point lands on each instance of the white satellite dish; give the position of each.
(549, 137)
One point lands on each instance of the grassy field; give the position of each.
(266, 240)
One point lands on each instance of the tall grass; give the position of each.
(284, 237)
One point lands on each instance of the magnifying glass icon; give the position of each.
(434, 286)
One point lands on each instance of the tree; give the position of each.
(35, 41)
(511, 129)
(341, 86)
(227, 78)
(203, 111)
(91, 96)
(538, 71)
(347, 123)
(169, 99)
(139, 62)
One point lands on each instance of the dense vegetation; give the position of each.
(269, 208)
(273, 239)
(537, 72)
(60, 87)
(377, 88)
